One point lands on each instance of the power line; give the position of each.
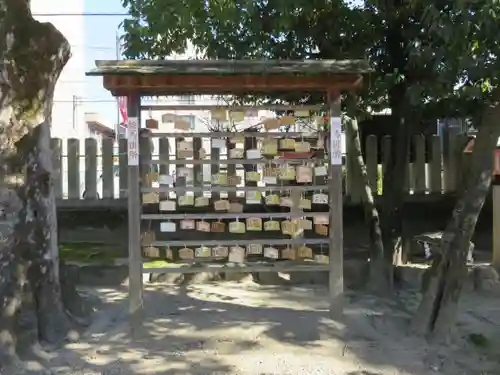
(84, 14)
(94, 48)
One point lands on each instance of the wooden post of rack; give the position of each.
(197, 168)
(336, 260)
(134, 215)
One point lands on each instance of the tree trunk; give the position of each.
(12, 275)
(393, 200)
(40, 218)
(436, 314)
(391, 211)
(377, 278)
(32, 56)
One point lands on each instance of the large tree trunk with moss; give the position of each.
(12, 274)
(392, 209)
(32, 55)
(377, 278)
(41, 222)
(436, 315)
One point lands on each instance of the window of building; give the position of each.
(191, 119)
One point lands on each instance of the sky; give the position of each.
(100, 44)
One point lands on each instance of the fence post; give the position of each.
(73, 168)
(214, 167)
(248, 144)
(371, 156)
(450, 158)
(179, 181)
(436, 165)
(90, 168)
(419, 176)
(352, 180)
(231, 168)
(386, 153)
(197, 168)
(409, 187)
(164, 169)
(57, 169)
(108, 172)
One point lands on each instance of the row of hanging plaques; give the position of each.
(302, 174)
(270, 175)
(269, 123)
(238, 254)
(238, 116)
(287, 227)
(270, 148)
(251, 197)
(235, 116)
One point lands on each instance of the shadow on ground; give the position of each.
(233, 328)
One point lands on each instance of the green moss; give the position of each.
(36, 57)
(159, 264)
(479, 340)
(102, 254)
(83, 252)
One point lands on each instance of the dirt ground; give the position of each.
(249, 329)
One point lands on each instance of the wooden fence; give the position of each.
(93, 170)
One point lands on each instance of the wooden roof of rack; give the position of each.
(174, 77)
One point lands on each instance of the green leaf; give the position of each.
(435, 52)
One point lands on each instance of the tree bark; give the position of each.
(391, 211)
(436, 314)
(41, 222)
(393, 198)
(377, 278)
(12, 274)
(32, 56)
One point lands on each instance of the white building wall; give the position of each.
(68, 112)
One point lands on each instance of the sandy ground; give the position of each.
(245, 328)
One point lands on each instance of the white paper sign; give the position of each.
(133, 141)
(335, 141)
(167, 227)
